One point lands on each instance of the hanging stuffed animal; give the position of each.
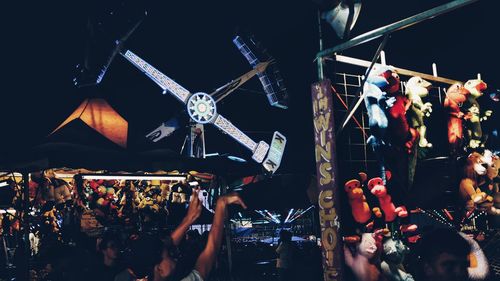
(456, 95)
(360, 208)
(416, 89)
(381, 81)
(392, 260)
(400, 133)
(378, 188)
(474, 172)
(475, 133)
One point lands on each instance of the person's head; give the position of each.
(145, 253)
(193, 235)
(109, 247)
(165, 269)
(285, 236)
(443, 256)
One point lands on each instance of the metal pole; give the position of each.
(26, 224)
(402, 24)
(352, 109)
(319, 61)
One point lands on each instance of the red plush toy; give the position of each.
(455, 96)
(377, 188)
(360, 209)
(400, 131)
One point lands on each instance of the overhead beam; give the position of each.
(402, 24)
(402, 71)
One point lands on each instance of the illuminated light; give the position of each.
(288, 216)
(302, 213)
(133, 177)
(2, 184)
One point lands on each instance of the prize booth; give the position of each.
(49, 202)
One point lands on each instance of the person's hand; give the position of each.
(194, 210)
(361, 266)
(231, 199)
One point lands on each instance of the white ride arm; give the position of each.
(259, 150)
(159, 78)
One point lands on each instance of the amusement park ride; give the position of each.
(202, 108)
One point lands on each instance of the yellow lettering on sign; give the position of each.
(325, 217)
(320, 91)
(326, 199)
(324, 170)
(321, 122)
(323, 103)
(315, 107)
(329, 238)
(323, 152)
(331, 274)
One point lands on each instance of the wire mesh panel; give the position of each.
(354, 154)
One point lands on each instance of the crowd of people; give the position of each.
(180, 255)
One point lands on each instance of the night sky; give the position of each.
(191, 42)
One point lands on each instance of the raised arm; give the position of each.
(207, 257)
(192, 215)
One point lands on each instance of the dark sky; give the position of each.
(190, 41)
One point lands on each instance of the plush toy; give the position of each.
(381, 81)
(490, 186)
(400, 132)
(392, 259)
(416, 89)
(360, 208)
(149, 204)
(456, 95)
(478, 264)
(470, 192)
(475, 133)
(50, 218)
(378, 188)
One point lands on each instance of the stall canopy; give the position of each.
(98, 115)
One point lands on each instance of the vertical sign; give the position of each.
(326, 175)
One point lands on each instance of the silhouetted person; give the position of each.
(443, 256)
(109, 265)
(285, 252)
(166, 269)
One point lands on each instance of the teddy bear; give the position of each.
(456, 95)
(474, 172)
(416, 89)
(475, 133)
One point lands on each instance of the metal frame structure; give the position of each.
(388, 29)
(328, 225)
